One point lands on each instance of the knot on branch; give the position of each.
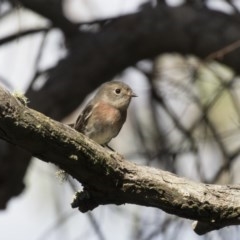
(88, 199)
(84, 201)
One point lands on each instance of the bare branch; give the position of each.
(221, 53)
(52, 10)
(22, 34)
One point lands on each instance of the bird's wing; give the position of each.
(83, 118)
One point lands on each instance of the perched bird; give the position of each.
(103, 117)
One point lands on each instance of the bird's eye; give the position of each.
(118, 90)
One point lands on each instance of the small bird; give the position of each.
(103, 117)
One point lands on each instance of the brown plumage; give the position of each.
(104, 116)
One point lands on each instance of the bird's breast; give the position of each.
(107, 122)
(108, 114)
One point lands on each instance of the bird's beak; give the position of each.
(133, 94)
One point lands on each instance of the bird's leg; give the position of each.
(71, 125)
(106, 145)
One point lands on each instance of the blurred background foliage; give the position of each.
(185, 120)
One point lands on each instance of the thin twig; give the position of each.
(219, 54)
(38, 59)
(22, 34)
(90, 216)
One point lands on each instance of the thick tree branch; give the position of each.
(107, 177)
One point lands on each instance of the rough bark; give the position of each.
(107, 177)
